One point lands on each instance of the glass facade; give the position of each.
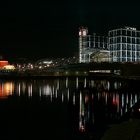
(90, 44)
(124, 45)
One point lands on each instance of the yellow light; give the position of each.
(9, 67)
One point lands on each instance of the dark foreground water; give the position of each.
(63, 108)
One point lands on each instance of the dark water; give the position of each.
(65, 108)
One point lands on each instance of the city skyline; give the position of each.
(39, 29)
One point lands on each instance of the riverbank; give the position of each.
(44, 76)
(128, 130)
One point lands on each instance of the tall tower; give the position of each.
(82, 43)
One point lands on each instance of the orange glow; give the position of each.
(6, 89)
(86, 98)
(3, 63)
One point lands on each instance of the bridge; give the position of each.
(126, 70)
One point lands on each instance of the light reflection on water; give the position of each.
(6, 89)
(96, 100)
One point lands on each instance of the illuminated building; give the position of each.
(121, 45)
(91, 45)
(9, 67)
(6, 67)
(124, 45)
(3, 63)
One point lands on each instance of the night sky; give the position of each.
(49, 28)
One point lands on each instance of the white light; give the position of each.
(84, 33)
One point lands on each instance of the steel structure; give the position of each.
(124, 45)
(90, 45)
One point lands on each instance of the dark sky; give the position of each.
(49, 28)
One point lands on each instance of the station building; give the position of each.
(120, 45)
(92, 45)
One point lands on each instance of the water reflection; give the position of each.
(6, 89)
(103, 102)
(95, 101)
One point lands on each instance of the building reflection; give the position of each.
(6, 89)
(95, 101)
(103, 105)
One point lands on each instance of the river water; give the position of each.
(63, 108)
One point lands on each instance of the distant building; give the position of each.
(124, 45)
(5, 66)
(3, 63)
(91, 45)
(121, 45)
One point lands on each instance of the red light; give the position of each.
(3, 63)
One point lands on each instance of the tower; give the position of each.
(82, 43)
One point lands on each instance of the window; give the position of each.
(115, 54)
(133, 33)
(92, 44)
(138, 47)
(138, 34)
(133, 40)
(128, 54)
(111, 40)
(115, 40)
(111, 47)
(123, 46)
(118, 46)
(118, 54)
(96, 39)
(118, 59)
(128, 47)
(138, 40)
(133, 59)
(111, 33)
(128, 33)
(93, 38)
(128, 40)
(124, 53)
(101, 45)
(115, 47)
(133, 54)
(89, 44)
(124, 32)
(123, 39)
(118, 39)
(133, 47)
(138, 54)
(96, 45)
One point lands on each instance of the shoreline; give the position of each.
(94, 76)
